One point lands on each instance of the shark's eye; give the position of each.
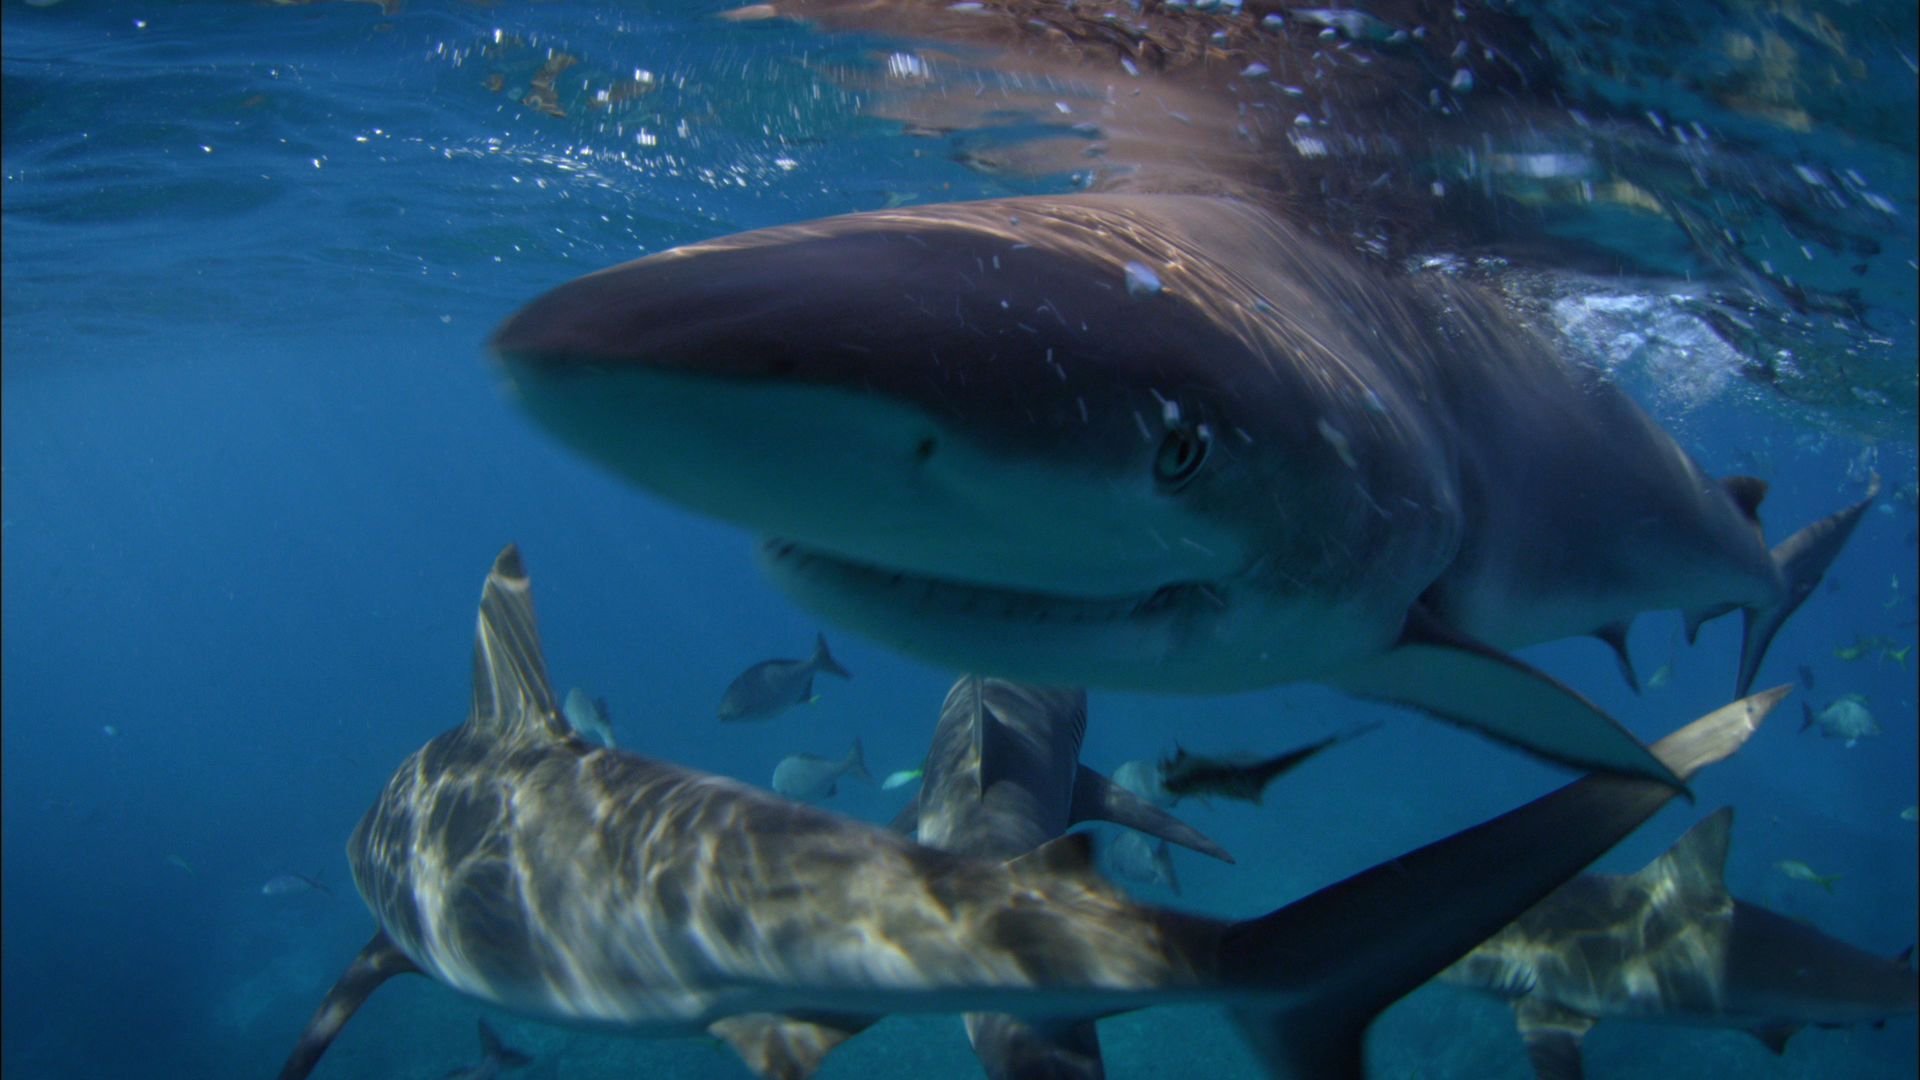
(1181, 454)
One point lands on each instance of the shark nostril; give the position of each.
(923, 451)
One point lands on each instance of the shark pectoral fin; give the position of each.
(1615, 635)
(378, 961)
(1096, 798)
(1774, 1034)
(780, 1047)
(1341, 955)
(1552, 1035)
(1803, 559)
(1441, 671)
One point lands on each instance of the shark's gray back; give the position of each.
(516, 862)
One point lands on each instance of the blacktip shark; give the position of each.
(1159, 442)
(518, 863)
(1001, 778)
(1670, 944)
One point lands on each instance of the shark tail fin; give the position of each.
(511, 695)
(822, 660)
(1803, 559)
(1345, 953)
(494, 1049)
(856, 763)
(1443, 672)
(1096, 798)
(379, 961)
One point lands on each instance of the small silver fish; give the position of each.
(771, 687)
(495, 1057)
(1800, 871)
(1847, 718)
(589, 717)
(809, 776)
(1140, 859)
(290, 884)
(1143, 779)
(1911, 813)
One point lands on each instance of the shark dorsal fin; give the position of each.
(511, 696)
(1746, 493)
(1697, 862)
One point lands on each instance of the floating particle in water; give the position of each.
(1141, 280)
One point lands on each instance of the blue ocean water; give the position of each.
(256, 464)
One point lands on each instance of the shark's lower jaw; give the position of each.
(1184, 636)
(789, 561)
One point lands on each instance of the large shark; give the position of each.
(1002, 777)
(1670, 944)
(1157, 442)
(518, 863)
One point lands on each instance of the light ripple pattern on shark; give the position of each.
(1670, 944)
(517, 863)
(1001, 778)
(961, 435)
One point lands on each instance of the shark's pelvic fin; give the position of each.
(1774, 1035)
(511, 695)
(1096, 798)
(1803, 559)
(1350, 950)
(379, 961)
(780, 1047)
(1615, 635)
(1039, 1048)
(1552, 1035)
(492, 1047)
(1439, 670)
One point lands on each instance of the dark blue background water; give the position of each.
(255, 467)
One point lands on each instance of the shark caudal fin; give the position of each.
(1096, 798)
(379, 961)
(1338, 957)
(1803, 559)
(1441, 671)
(511, 696)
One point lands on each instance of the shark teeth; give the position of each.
(990, 602)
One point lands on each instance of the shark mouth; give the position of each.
(815, 570)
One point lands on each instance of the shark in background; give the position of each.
(519, 864)
(1002, 778)
(1670, 944)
